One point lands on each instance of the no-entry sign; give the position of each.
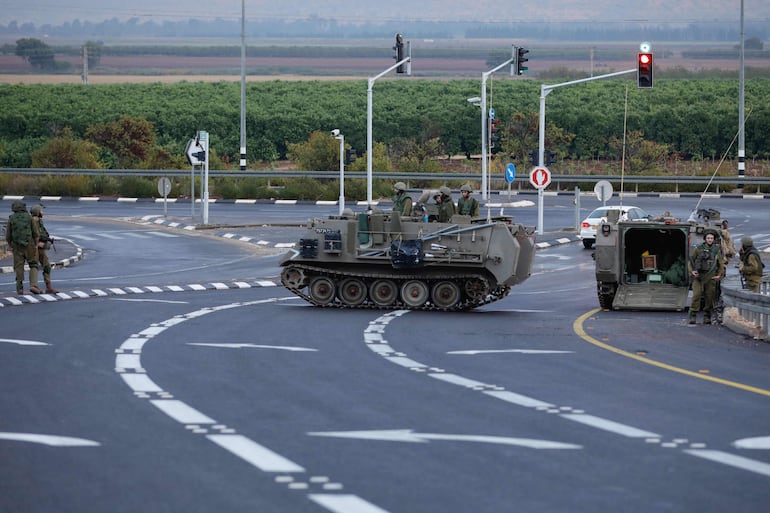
(540, 177)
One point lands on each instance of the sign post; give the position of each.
(540, 178)
(164, 187)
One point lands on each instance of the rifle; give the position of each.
(47, 240)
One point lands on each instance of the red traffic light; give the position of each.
(644, 71)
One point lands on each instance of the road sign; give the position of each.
(491, 113)
(540, 177)
(164, 186)
(195, 153)
(510, 173)
(603, 190)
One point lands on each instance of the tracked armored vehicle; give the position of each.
(382, 260)
(642, 265)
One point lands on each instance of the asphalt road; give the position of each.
(249, 399)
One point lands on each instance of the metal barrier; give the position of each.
(752, 308)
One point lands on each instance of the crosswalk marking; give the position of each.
(118, 235)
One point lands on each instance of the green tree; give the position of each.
(66, 152)
(321, 152)
(36, 53)
(641, 156)
(131, 139)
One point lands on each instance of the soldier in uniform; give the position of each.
(446, 207)
(22, 236)
(43, 244)
(466, 205)
(402, 203)
(706, 267)
(728, 248)
(751, 265)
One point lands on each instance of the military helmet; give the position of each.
(399, 186)
(18, 206)
(747, 241)
(36, 210)
(465, 187)
(710, 231)
(445, 190)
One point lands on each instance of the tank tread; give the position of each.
(467, 304)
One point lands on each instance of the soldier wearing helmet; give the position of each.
(402, 203)
(22, 236)
(728, 247)
(751, 266)
(707, 267)
(446, 207)
(466, 205)
(44, 243)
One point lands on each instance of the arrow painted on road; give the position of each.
(759, 442)
(23, 342)
(253, 346)
(522, 351)
(52, 440)
(408, 435)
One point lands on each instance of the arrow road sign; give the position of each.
(408, 435)
(510, 173)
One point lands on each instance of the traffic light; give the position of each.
(520, 60)
(350, 156)
(550, 157)
(644, 74)
(399, 52)
(494, 137)
(533, 157)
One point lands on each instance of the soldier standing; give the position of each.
(728, 248)
(402, 203)
(44, 242)
(22, 235)
(707, 267)
(751, 265)
(466, 205)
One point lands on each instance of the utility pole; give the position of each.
(243, 86)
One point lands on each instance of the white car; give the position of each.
(595, 218)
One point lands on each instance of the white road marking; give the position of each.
(52, 440)
(21, 342)
(522, 351)
(255, 454)
(609, 425)
(758, 442)
(140, 383)
(518, 399)
(408, 435)
(181, 412)
(246, 346)
(150, 300)
(344, 503)
(732, 460)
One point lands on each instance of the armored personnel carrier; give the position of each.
(382, 260)
(642, 265)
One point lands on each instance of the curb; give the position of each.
(54, 265)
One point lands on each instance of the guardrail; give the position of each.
(752, 308)
(519, 180)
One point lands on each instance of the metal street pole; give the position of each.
(341, 139)
(243, 85)
(741, 116)
(369, 101)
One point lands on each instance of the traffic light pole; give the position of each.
(484, 152)
(544, 90)
(369, 99)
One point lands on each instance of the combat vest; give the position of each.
(43, 233)
(467, 207)
(706, 259)
(21, 228)
(752, 251)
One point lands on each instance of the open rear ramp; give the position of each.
(650, 296)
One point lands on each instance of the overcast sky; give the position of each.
(56, 12)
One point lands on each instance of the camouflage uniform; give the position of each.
(402, 203)
(42, 247)
(466, 205)
(21, 235)
(751, 266)
(707, 267)
(446, 207)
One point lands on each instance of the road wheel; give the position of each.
(352, 292)
(322, 290)
(414, 293)
(293, 278)
(383, 292)
(475, 289)
(445, 294)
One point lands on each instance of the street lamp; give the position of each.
(341, 138)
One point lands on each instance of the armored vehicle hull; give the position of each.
(643, 265)
(376, 260)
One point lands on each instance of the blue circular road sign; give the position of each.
(510, 172)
